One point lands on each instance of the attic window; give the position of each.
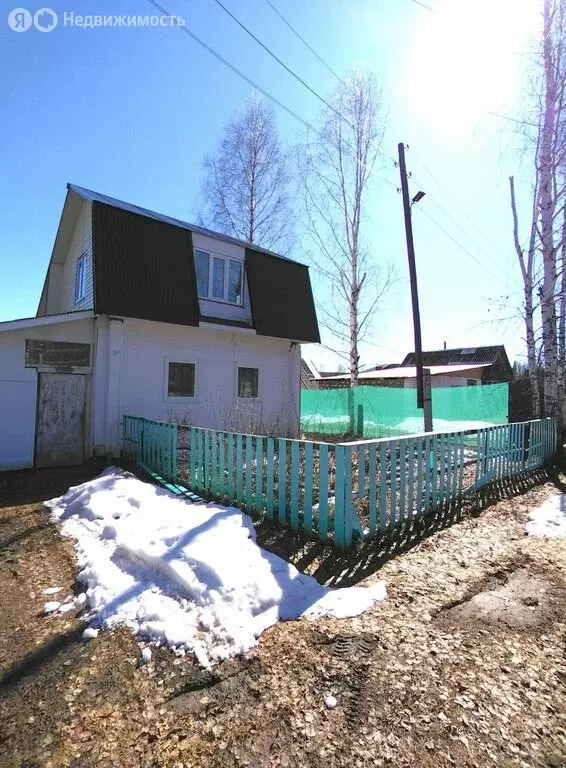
(80, 278)
(219, 277)
(468, 351)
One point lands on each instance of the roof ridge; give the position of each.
(92, 195)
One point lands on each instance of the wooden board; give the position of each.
(62, 418)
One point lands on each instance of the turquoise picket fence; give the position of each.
(343, 491)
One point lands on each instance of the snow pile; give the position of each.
(549, 519)
(183, 574)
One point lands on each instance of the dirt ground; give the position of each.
(463, 665)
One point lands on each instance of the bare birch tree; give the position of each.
(527, 265)
(548, 226)
(335, 169)
(245, 191)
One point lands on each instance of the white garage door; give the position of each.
(17, 423)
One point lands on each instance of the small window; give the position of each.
(202, 261)
(218, 270)
(235, 283)
(80, 278)
(181, 381)
(472, 382)
(247, 382)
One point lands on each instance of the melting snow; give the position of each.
(51, 590)
(185, 574)
(549, 519)
(51, 606)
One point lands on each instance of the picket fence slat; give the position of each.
(309, 471)
(295, 485)
(282, 480)
(249, 472)
(323, 491)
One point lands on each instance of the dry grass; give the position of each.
(417, 684)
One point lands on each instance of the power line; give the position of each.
(187, 31)
(463, 248)
(456, 223)
(514, 119)
(248, 80)
(298, 77)
(302, 39)
(454, 202)
(282, 63)
(287, 109)
(423, 5)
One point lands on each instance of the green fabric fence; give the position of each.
(392, 411)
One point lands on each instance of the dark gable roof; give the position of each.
(461, 356)
(141, 267)
(141, 270)
(281, 298)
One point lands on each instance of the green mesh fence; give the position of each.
(392, 411)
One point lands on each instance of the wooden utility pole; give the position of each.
(422, 402)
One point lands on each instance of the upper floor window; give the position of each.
(219, 277)
(80, 278)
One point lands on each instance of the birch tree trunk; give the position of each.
(546, 171)
(527, 266)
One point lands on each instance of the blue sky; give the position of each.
(132, 111)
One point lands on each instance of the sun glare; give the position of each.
(465, 60)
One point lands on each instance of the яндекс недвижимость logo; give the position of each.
(44, 20)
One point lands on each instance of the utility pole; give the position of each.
(422, 400)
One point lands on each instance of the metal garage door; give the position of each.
(17, 423)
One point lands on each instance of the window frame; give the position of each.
(80, 277)
(212, 255)
(471, 382)
(247, 368)
(179, 398)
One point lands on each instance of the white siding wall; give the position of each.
(445, 381)
(18, 387)
(218, 308)
(81, 242)
(148, 347)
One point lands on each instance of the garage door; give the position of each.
(17, 423)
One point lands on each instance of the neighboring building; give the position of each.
(146, 315)
(405, 376)
(491, 363)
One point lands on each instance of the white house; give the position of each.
(145, 315)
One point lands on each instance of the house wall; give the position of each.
(136, 356)
(81, 242)
(18, 387)
(445, 381)
(218, 308)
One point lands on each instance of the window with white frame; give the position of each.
(80, 278)
(472, 382)
(248, 382)
(181, 380)
(219, 277)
